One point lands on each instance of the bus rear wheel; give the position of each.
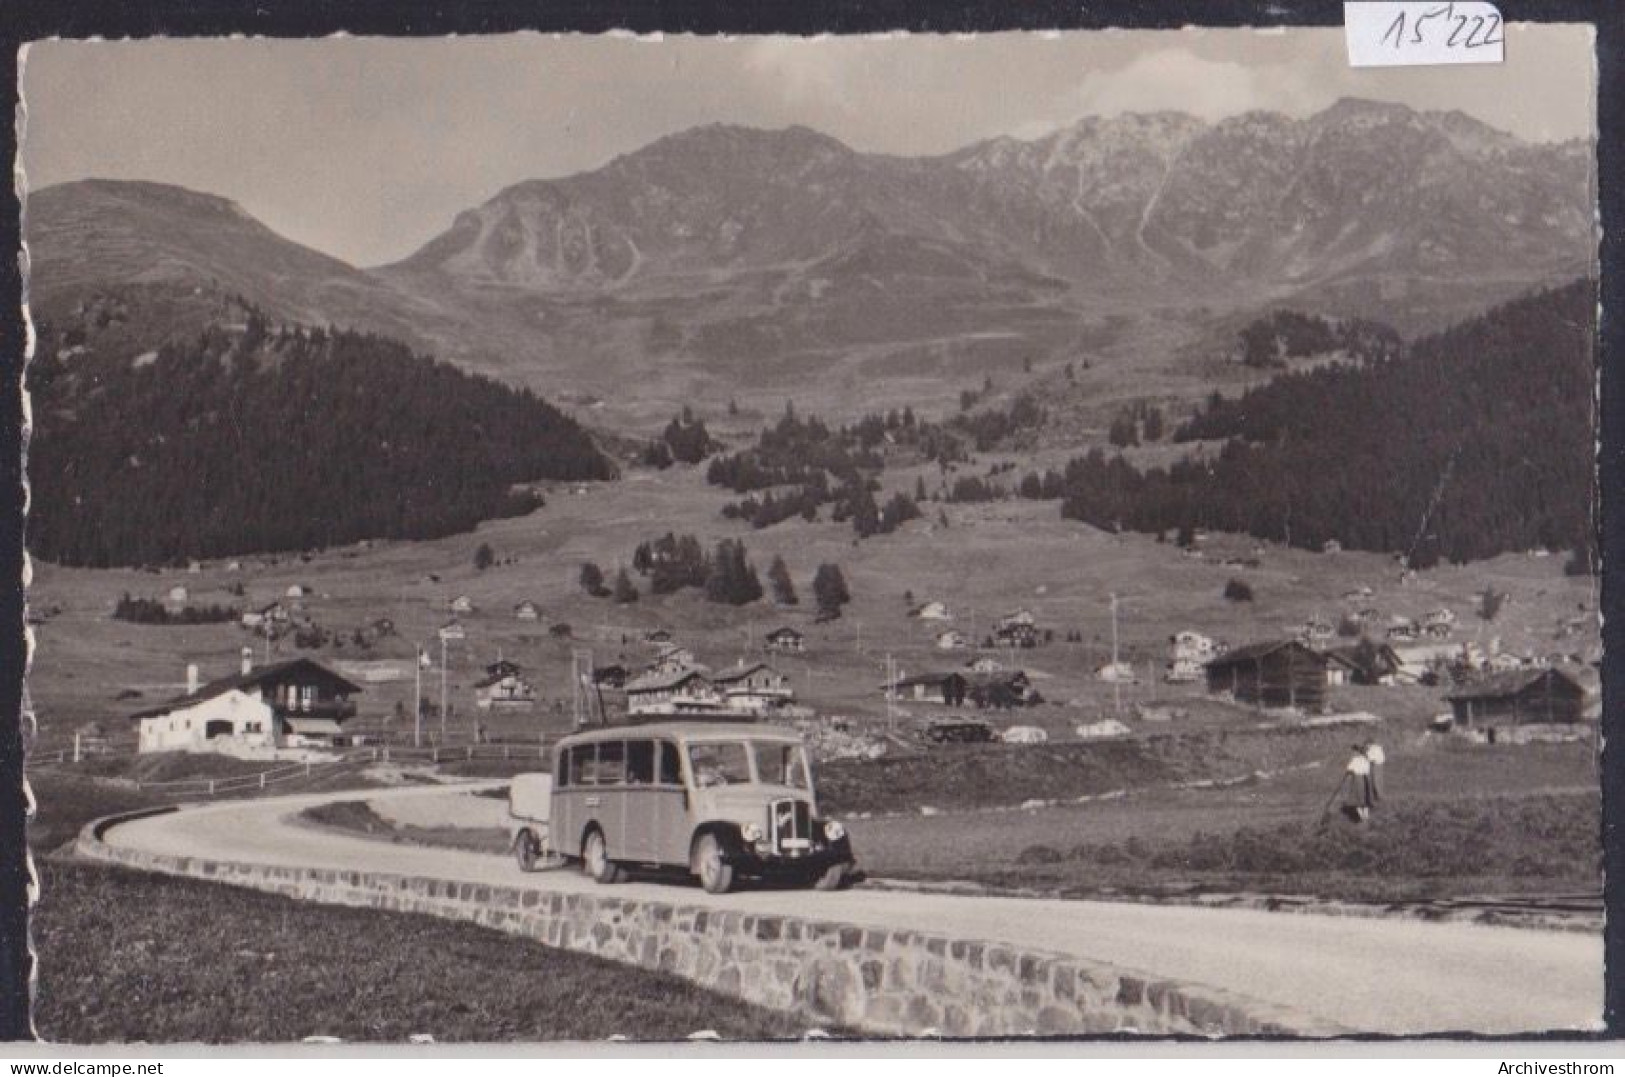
(595, 858)
(527, 850)
(716, 874)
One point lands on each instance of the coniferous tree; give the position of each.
(829, 588)
(625, 591)
(784, 588)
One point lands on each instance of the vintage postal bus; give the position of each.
(721, 800)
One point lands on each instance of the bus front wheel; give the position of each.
(716, 874)
(833, 877)
(595, 858)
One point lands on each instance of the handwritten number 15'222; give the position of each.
(1480, 30)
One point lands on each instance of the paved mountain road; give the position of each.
(1367, 974)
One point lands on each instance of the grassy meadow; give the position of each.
(989, 560)
(118, 965)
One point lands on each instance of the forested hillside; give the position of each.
(246, 438)
(1477, 441)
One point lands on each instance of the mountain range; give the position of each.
(726, 260)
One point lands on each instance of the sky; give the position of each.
(366, 148)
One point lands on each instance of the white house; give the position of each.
(1417, 659)
(1116, 673)
(288, 704)
(527, 611)
(274, 616)
(931, 611)
(297, 591)
(1190, 645)
(503, 687)
(1184, 669)
(952, 640)
(206, 725)
(1017, 619)
(462, 604)
(984, 664)
(178, 594)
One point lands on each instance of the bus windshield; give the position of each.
(778, 763)
(719, 763)
(729, 763)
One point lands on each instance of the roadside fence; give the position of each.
(283, 774)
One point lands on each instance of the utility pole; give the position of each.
(1117, 684)
(447, 633)
(581, 674)
(891, 692)
(417, 697)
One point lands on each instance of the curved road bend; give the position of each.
(1393, 976)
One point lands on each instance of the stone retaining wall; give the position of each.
(880, 981)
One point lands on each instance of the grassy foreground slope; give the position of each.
(119, 964)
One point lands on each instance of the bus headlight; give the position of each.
(751, 833)
(834, 831)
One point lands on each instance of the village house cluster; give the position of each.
(301, 704)
(676, 684)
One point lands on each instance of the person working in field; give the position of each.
(1355, 787)
(1376, 757)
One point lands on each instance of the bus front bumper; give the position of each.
(814, 861)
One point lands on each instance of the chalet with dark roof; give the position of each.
(786, 640)
(672, 692)
(1519, 697)
(753, 687)
(296, 703)
(1283, 673)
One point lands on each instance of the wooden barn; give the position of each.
(1519, 697)
(1285, 673)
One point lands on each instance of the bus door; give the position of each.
(672, 817)
(576, 768)
(606, 802)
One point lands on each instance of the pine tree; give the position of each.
(829, 587)
(625, 591)
(784, 588)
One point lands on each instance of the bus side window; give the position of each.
(640, 762)
(612, 762)
(583, 770)
(561, 768)
(671, 769)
